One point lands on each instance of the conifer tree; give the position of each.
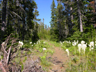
(18, 16)
(53, 30)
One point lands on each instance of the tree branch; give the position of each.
(2, 67)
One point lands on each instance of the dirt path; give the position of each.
(59, 60)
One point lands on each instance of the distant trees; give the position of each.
(43, 31)
(73, 17)
(18, 17)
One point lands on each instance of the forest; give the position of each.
(29, 45)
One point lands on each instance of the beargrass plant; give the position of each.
(83, 62)
(27, 44)
(42, 44)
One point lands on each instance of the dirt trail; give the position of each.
(59, 60)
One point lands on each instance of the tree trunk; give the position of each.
(71, 19)
(80, 18)
(71, 14)
(71, 10)
(23, 35)
(3, 18)
(95, 5)
(4, 15)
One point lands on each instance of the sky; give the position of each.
(44, 8)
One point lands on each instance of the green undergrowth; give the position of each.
(80, 62)
(44, 61)
(56, 44)
(37, 50)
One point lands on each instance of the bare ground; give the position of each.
(59, 60)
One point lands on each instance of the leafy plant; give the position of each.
(44, 60)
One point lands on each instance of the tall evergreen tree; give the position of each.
(60, 20)
(53, 30)
(19, 20)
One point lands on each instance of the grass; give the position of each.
(80, 62)
(44, 61)
(37, 50)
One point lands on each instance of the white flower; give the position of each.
(77, 42)
(44, 42)
(67, 52)
(69, 42)
(3, 43)
(79, 47)
(38, 41)
(31, 45)
(92, 44)
(34, 43)
(86, 44)
(84, 47)
(89, 45)
(30, 42)
(82, 42)
(44, 49)
(60, 42)
(74, 43)
(20, 44)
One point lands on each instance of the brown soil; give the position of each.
(59, 60)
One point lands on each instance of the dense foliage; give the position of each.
(73, 19)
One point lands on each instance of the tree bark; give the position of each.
(4, 15)
(80, 18)
(3, 26)
(95, 5)
(23, 35)
(71, 18)
(71, 10)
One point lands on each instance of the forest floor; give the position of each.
(59, 59)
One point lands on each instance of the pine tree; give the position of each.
(18, 16)
(35, 36)
(53, 30)
(68, 15)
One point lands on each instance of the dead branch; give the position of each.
(7, 51)
(2, 67)
(8, 54)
